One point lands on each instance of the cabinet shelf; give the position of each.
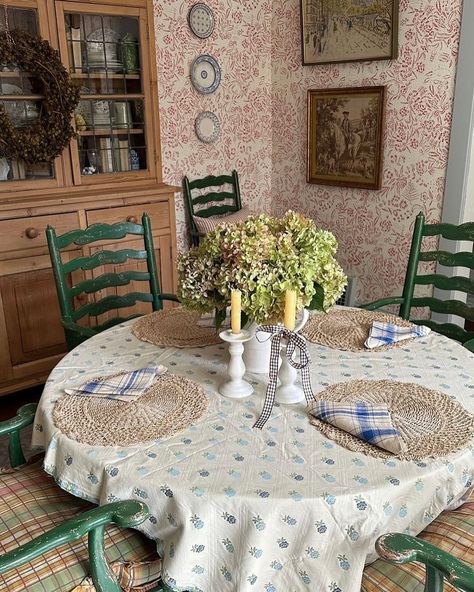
(21, 97)
(112, 97)
(103, 131)
(102, 75)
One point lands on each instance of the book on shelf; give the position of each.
(105, 145)
(18, 169)
(76, 50)
(124, 155)
(115, 154)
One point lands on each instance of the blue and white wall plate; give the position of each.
(205, 74)
(207, 126)
(201, 20)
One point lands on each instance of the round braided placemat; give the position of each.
(348, 329)
(430, 423)
(170, 405)
(174, 327)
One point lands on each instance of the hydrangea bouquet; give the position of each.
(262, 257)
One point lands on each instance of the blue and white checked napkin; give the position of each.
(367, 421)
(387, 333)
(125, 386)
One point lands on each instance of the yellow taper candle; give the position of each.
(290, 309)
(235, 309)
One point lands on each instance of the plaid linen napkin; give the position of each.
(367, 421)
(387, 333)
(125, 386)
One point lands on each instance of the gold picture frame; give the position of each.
(345, 136)
(348, 31)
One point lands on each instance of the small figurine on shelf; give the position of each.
(94, 163)
(80, 122)
(134, 160)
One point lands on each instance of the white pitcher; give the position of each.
(256, 354)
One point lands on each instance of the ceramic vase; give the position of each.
(256, 354)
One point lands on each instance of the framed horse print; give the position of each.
(345, 136)
(348, 30)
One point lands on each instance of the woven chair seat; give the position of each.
(452, 531)
(30, 504)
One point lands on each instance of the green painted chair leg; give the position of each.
(12, 427)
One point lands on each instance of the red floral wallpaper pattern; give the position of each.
(373, 227)
(241, 43)
(261, 104)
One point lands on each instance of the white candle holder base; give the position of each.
(236, 387)
(287, 392)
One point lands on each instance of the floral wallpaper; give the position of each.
(241, 43)
(261, 104)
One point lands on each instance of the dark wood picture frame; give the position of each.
(345, 136)
(330, 34)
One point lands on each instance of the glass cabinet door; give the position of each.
(104, 54)
(20, 97)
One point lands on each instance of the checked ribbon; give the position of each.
(295, 342)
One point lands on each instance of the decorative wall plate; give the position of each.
(207, 127)
(201, 20)
(205, 74)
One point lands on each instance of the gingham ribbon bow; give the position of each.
(295, 342)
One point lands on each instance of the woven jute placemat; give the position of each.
(430, 423)
(348, 329)
(170, 405)
(176, 327)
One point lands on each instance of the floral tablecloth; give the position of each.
(278, 510)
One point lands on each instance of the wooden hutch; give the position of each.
(110, 172)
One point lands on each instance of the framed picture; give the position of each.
(345, 132)
(348, 30)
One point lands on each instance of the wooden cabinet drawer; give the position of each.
(159, 215)
(29, 233)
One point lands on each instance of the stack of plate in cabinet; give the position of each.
(102, 54)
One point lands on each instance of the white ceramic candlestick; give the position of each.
(236, 387)
(287, 391)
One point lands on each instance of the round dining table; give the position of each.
(278, 509)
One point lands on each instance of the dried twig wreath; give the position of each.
(47, 136)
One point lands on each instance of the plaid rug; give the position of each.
(388, 333)
(369, 422)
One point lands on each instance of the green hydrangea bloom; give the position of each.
(262, 257)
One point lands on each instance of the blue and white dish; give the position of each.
(201, 20)
(207, 126)
(205, 74)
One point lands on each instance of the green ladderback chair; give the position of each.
(42, 529)
(452, 258)
(440, 566)
(68, 293)
(210, 196)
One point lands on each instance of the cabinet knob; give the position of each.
(31, 232)
(132, 219)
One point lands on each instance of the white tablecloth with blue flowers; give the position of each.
(278, 510)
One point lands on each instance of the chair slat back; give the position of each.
(440, 281)
(97, 232)
(213, 202)
(68, 291)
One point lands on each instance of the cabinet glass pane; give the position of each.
(104, 56)
(112, 136)
(20, 97)
(104, 52)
